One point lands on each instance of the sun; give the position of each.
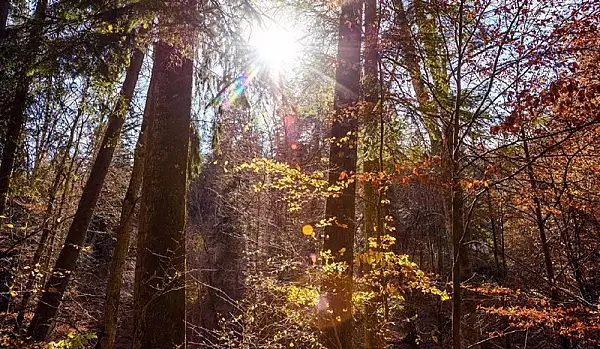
(276, 47)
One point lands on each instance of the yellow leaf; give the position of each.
(308, 230)
(342, 250)
(110, 27)
(10, 225)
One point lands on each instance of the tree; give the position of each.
(4, 9)
(472, 132)
(159, 316)
(42, 322)
(108, 332)
(339, 237)
(373, 149)
(16, 115)
(53, 195)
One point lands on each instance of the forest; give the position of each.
(334, 174)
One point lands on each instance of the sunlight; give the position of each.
(277, 47)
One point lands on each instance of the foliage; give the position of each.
(74, 341)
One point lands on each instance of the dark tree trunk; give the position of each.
(159, 314)
(453, 142)
(459, 258)
(540, 220)
(15, 123)
(373, 128)
(16, 116)
(113, 289)
(42, 322)
(4, 8)
(339, 237)
(494, 235)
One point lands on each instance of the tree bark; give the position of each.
(371, 113)
(16, 116)
(373, 159)
(42, 322)
(453, 151)
(494, 235)
(159, 314)
(4, 9)
(108, 332)
(339, 237)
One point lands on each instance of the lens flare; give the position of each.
(277, 47)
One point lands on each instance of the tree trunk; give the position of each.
(46, 311)
(425, 105)
(453, 151)
(46, 225)
(539, 217)
(69, 179)
(159, 316)
(16, 116)
(540, 221)
(494, 235)
(339, 237)
(123, 232)
(4, 9)
(373, 159)
(458, 259)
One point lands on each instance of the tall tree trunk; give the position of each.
(123, 232)
(339, 237)
(4, 9)
(370, 119)
(373, 158)
(46, 311)
(16, 116)
(69, 178)
(453, 151)
(46, 225)
(459, 258)
(159, 314)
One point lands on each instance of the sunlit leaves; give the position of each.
(297, 186)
